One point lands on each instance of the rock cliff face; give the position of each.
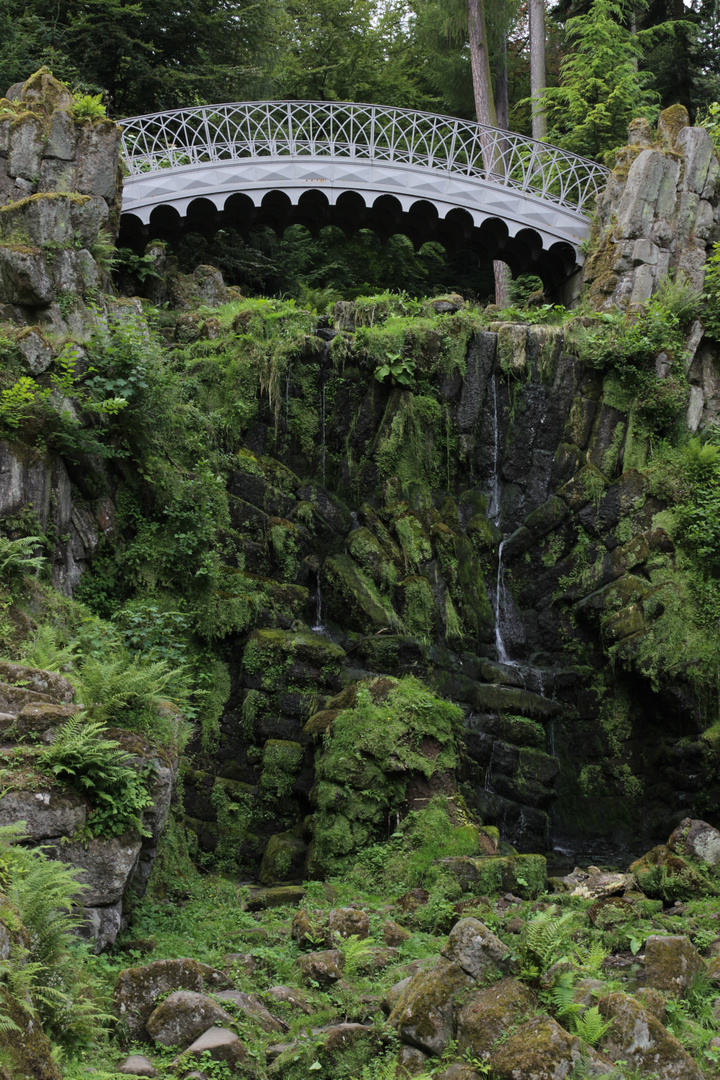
(488, 526)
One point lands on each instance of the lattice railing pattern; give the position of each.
(271, 129)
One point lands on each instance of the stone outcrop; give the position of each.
(659, 213)
(110, 869)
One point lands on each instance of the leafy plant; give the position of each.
(108, 776)
(88, 107)
(122, 690)
(590, 1025)
(16, 558)
(400, 368)
(545, 941)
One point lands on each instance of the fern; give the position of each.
(355, 950)
(590, 1026)
(122, 690)
(562, 995)
(46, 653)
(107, 774)
(592, 958)
(16, 557)
(545, 941)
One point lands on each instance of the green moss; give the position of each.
(420, 613)
(280, 765)
(395, 729)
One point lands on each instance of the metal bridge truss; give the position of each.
(254, 148)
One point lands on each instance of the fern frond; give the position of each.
(16, 556)
(546, 937)
(591, 1027)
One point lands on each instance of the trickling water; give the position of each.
(488, 771)
(502, 654)
(322, 394)
(318, 606)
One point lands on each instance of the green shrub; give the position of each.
(107, 775)
(88, 107)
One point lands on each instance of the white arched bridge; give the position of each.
(359, 166)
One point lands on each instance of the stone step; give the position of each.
(13, 698)
(56, 687)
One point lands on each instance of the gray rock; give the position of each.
(137, 1065)
(324, 967)
(35, 349)
(62, 137)
(105, 864)
(49, 683)
(671, 962)
(343, 316)
(346, 922)
(696, 840)
(253, 1009)
(479, 362)
(101, 925)
(222, 1045)
(210, 287)
(47, 814)
(41, 720)
(638, 1038)
(476, 949)
(98, 153)
(24, 277)
(25, 147)
(137, 989)
(183, 1017)
(695, 408)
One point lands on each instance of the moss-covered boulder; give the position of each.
(25, 1048)
(672, 963)
(183, 1017)
(638, 1038)
(696, 840)
(423, 1015)
(476, 949)
(137, 989)
(543, 1050)
(664, 875)
(351, 598)
(283, 860)
(489, 1013)
(524, 875)
(323, 968)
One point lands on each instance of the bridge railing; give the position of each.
(375, 133)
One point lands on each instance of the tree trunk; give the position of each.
(536, 9)
(502, 109)
(485, 110)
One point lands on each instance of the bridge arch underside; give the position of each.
(490, 231)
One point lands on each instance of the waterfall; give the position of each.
(318, 627)
(488, 771)
(494, 513)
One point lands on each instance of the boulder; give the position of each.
(696, 840)
(593, 884)
(423, 1015)
(346, 922)
(476, 949)
(41, 720)
(394, 994)
(105, 865)
(290, 995)
(309, 928)
(137, 1065)
(41, 682)
(251, 1009)
(183, 1017)
(638, 1037)
(394, 934)
(220, 1044)
(671, 963)
(47, 814)
(411, 1062)
(542, 1050)
(324, 967)
(489, 1013)
(137, 989)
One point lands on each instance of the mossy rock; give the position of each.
(271, 655)
(417, 607)
(138, 988)
(664, 875)
(27, 1050)
(523, 875)
(368, 553)
(490, 1013)
(352, 600)
(544, 1050)
(283, 860)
